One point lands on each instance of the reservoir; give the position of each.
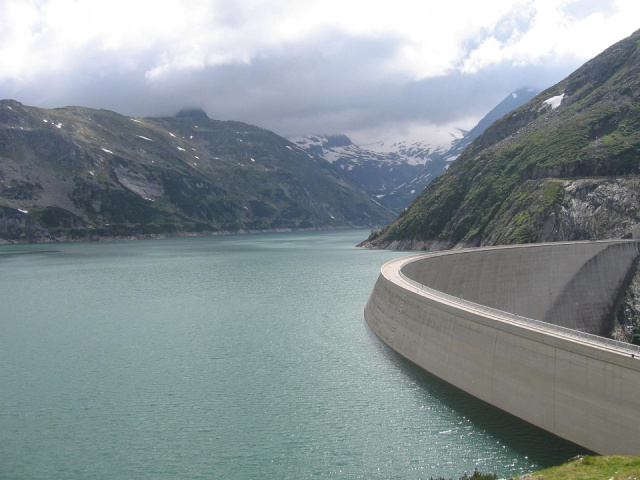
(227, 357)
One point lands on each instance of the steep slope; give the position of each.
(511, 102)
(561, 167)
(80, 173)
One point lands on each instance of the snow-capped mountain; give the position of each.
(394, 171)
(397, 170)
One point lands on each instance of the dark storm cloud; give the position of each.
(312, 94)
(334, 89)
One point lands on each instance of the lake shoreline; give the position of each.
(160, 236)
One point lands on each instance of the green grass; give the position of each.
(475, 476)
(593, 468)
(552, 194)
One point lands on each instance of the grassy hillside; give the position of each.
(592, 468)
(585, 127)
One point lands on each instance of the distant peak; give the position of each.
(192, 113)
(10, 102)
(337, 140)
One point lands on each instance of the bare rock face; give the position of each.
(626, 323)
(599, 208)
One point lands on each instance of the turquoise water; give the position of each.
(230, 357)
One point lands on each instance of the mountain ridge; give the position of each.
(393, 176)
(395, 171)
(79, 173)
(585, 127)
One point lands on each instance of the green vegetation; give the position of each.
(593, 468)
(475, 476)
(552, 193)
(527, 208)
(612, 467)
(56, 218)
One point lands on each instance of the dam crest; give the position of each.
(521, 327)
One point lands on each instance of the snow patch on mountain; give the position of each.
(394, 170)
(389, 151)
(554, 102)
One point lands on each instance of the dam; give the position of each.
(520, 327)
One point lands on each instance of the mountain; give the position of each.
(511, 102)
(396, 171)
(564, 166)
(79, 173)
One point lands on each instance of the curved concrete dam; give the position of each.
(517, 327)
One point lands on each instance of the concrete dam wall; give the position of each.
(514, 326)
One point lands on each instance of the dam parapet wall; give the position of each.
(574, 285)
(580, 386)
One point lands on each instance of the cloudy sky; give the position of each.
(368, 68)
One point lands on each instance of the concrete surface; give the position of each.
(585, 392)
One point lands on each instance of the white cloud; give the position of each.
(291, 64)
(553, 34)
(432, 37)
(17, 21)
